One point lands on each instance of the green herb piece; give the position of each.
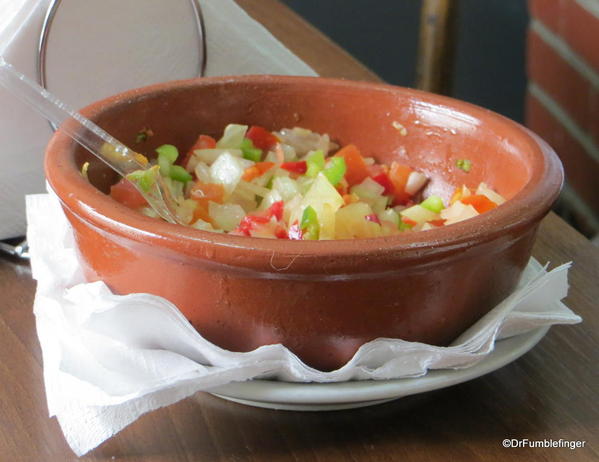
(249, 151)
(143, 135)
(464, 164)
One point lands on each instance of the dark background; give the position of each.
(489, 47)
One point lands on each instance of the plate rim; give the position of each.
(272, 392)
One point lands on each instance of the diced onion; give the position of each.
(415, 182)
(228, 170)
(491, 195)
(202, 172)
(245, 186)
(208, 156)
(232, 136)
(226, 216)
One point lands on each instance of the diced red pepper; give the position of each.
(261, 137)
(276, 210)
(373, 217)
(249, 222)
(296, 167)
(384, 180)
(480, 202)
(245, 226)
(281, 232)
(125, 193)
(203, 142)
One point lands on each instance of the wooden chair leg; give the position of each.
(435, 47)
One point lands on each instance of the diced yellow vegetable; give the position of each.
(419, 214)
(351, 222)
(458, 211)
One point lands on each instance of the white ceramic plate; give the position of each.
(346, 395)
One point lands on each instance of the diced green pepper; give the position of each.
(335, 170)
(168, 151)
(249, 151)
(433, 203)
(167, 155)
(309, 224)
(165, 165)
(145, 179)
(178, 173)
(315, 163)
(403, 226)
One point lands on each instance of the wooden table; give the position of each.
(550, 393)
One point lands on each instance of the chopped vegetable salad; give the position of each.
(297, 184)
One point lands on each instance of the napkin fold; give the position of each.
(103, 368)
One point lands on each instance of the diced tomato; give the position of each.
(384, 180)
(409, 221)
(480, 202)
(295, 232)
(398, 174)
(281, 232)
(261, 137)
(276, 210)
(125, 193)
(356, 167)
(256, 170)
(201, 213)
(296, 167)
(203, 193)
(203, 142)
(439, 222)
(207, 191)
(373, 217)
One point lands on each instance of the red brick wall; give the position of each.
(563, 95)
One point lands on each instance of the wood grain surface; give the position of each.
(551, 392)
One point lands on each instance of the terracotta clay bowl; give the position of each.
(321, 299)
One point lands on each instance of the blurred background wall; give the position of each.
(534, 61)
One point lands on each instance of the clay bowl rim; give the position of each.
(529, 205)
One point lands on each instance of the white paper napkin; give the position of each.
(103, 368)
(148, 41)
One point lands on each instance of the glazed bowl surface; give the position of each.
(321, 299)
